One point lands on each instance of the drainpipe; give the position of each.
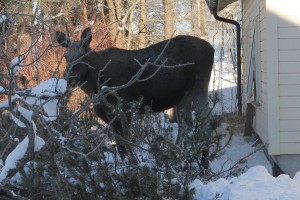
(213, 9)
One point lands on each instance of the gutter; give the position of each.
(213, 7)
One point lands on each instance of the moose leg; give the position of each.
(104, 111)
(121, 125)
(201, 106)
(200, 102)
(184, 117)
(119, 137)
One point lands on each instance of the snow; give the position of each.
(223, 83)
(17, 121)
(18, 153)
(50, 108)
(3, 18)
(256, 183)
(239, 149)
(2, 89)
(5, 104)
(50, 88)
(15, 63)
(27, 114)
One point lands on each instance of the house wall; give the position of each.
(253, 10)
(289, 75)
(277, 119)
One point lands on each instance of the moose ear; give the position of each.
(86, 36)
(62, 39)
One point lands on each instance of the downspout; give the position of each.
(213, 6)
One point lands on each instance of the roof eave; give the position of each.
(218, 5)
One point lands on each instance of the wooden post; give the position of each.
(250, 112)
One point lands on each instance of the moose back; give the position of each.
(170, 73)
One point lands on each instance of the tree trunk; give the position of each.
(201, 13)
(129, 24)
(250, 113)
(193, 17)
(169, 18)
(3, 28)
(169, 29)
(142, 24)
(24, 34)
(88, 9)
(116, 27)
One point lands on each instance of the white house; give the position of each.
(271, 74)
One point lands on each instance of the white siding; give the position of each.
(252, 9)
(278, 117)
(289, 75)
(272, 55)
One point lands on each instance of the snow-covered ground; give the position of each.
(257, 182)
(223, 83)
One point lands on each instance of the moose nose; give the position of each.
(65, 75)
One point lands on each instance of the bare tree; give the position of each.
(169, 18)
(89, 9)
(143, 24)
(169, 29)
(198, 18)
(114, 11)
(129, 18)
(201, 19)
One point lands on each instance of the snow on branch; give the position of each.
(3, 18)
(43, 95)
(18, 154)
(2, 90)
(17, 121)
(50, 88)
(15, 64)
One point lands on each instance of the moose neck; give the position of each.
(90, 81)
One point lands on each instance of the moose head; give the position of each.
(77, 66)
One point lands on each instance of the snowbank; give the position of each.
(256, 183)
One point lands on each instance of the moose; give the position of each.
(171, 73)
